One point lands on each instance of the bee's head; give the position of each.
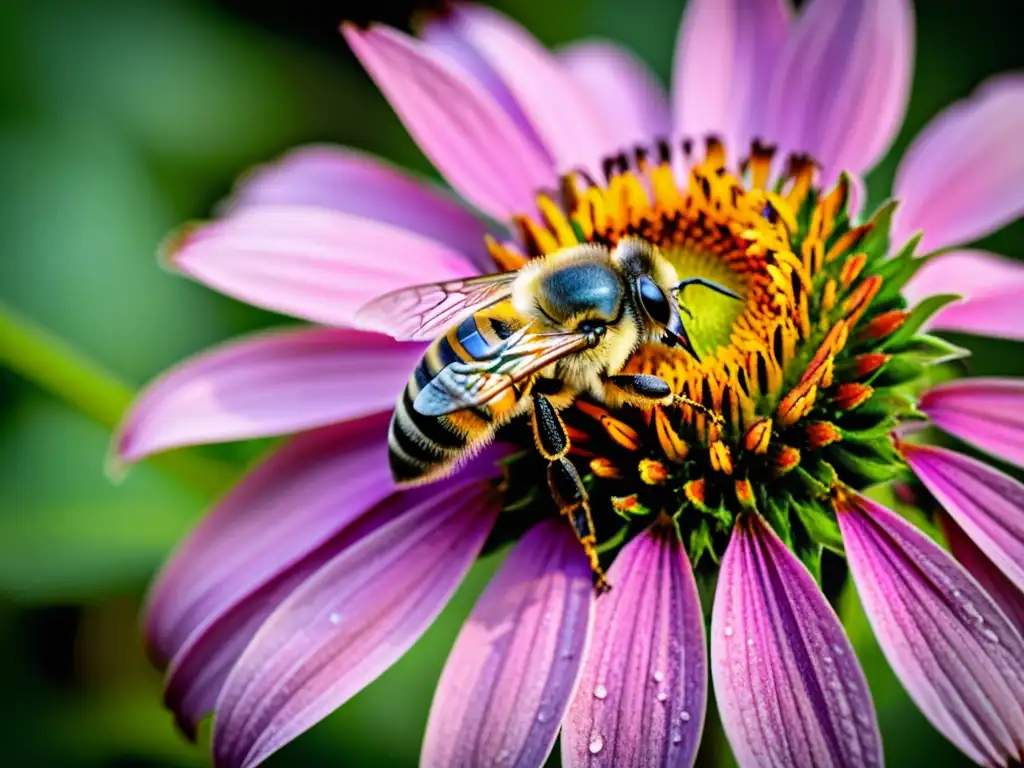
(651, 280)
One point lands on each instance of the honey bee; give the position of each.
(528, 343)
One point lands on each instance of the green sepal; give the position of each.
(899, 370)
(614, 541)
(897, 272)
(876, 243)
(918, 316)
(816, 476)
(775, 513)
(880, 428)
(702, 541)
(820, 523)
(864, 463)
(931, 350)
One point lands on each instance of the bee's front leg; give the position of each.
(564, 481)
(644, 391)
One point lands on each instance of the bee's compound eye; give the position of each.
(653, 299)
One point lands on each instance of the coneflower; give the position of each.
(316, 573)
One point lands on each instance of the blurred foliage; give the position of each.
(121, 119)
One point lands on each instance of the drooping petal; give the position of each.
(959, 657)
(457, 124)
(986, 503)
(268, 384)
(632, 102)
(643, 693)
(299, 498)
(790, 690)
(987, 413)
(843, 81)
(312, 263)
(991, 286)
(349, 181)
(988, 574)
(726, 54)
(198, 671)
(963, 176)
(565, 117)
(513, 670)
(346, 625)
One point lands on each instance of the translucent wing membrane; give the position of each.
(476, 382)
(423, 312)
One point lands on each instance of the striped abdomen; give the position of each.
(422, 448)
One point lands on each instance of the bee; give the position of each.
(527, 344)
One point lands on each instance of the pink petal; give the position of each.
(457, 124)
(306, 492)
(642, 697)
(988, 574)
(443, 36)
(987, 413)
(843, 81)
(990, 284)
(726, 54)
(632, 102)
(512, 672)
(987, 504)
(963, 176)
(565, 117)
(198, 671)
(267, 384)
(959, 657)
(348, 181)
(312, 263)
(789, 688)
(347, 624)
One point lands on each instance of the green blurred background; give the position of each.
(121, 119)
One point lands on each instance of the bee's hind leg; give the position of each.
(644, 390)
(565, 482)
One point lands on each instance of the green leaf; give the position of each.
(820, 524)
(931, 350)
(919, 315)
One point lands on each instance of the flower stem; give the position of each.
(57, 368)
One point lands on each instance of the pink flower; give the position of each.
(316, 573)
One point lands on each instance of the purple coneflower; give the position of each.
(315, 574)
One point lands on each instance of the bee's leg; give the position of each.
(564, 481)
(644, 390)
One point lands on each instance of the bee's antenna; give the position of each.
(707, 284)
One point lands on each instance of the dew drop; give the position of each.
(750, 643)
(837, 649)
(728, 631)
(676, 736)
(659, 676)
(662, 696)
(828, 659)
(600, 692)
(596, 744)
(684, 716)
(501, 757)
(989, 635)
(334, 618)
(542, 716)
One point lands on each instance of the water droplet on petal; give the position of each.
(676, 736)
(501, 757)
(728, 631)
(750, 643)
(334, 618)
(989, 635)
(600, 692)
(596, 744)
(659, 676)
(542, 716)
(662, 696)
(684, 716)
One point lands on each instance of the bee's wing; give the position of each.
(475, 382)
(423, 312)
